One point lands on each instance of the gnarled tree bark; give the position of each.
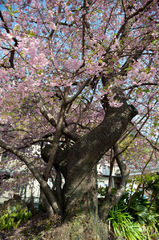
(77, 163)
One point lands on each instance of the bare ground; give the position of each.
(42, 228)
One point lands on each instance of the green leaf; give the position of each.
(30, 33)
(16, 28)
(10, 10)
(129, 68)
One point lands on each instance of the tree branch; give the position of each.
(79, 91)
(140, 84)
(12, 51)
(140, 10)
(151, 143)
(55, 143)
(112, 199)
(52, 200)
(83, 30)
(49, 117)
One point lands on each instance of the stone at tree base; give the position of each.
(81, 228)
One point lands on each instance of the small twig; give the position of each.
(12, 51)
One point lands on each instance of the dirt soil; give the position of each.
(31, 229)
(42, 228)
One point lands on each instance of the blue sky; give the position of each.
(2, 7)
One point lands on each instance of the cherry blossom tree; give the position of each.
(76, 78)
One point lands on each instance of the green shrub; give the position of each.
(13, 219)
(143, 212)
(134, 211)
(122, 224)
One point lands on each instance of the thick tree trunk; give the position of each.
(84, 155)
(83, 199)
(77, 164)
